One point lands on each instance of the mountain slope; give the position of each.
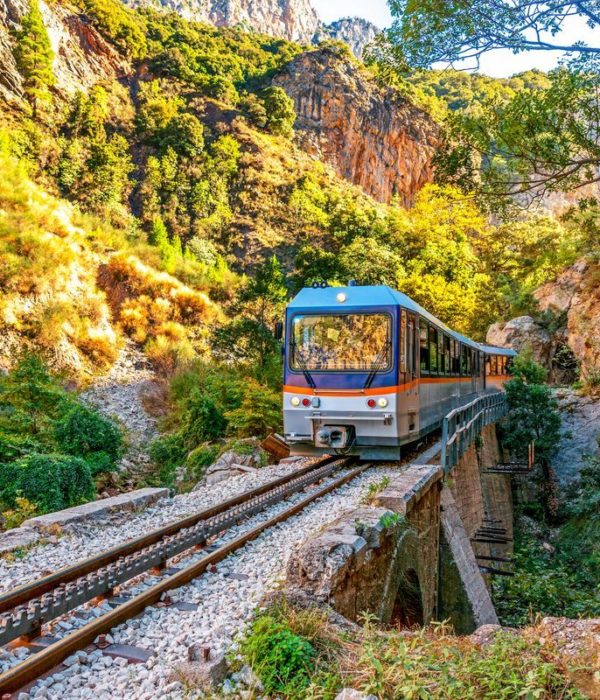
(372, 136)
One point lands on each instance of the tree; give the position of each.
(258, 307)
(541, 139)
(440, 31)
(34, 56)
(30, 398)
(533, 417)
(281, 114)
(83, 432)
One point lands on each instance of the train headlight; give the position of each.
(295, 401)
(341, 297)
(382, 403)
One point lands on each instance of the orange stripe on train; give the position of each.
(307, 391)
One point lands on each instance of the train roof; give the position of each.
(495, 350)
(376, 296)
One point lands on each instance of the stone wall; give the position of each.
(380, 559)
(472, 499)
(422, 564)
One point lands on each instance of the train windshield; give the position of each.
(351, 342)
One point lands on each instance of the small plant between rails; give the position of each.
(24, 610)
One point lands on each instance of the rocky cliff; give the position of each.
(372, 136)
(295, 20)
(82, 56)
(354, 31)
(572, 301)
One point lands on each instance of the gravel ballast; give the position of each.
(226, 599)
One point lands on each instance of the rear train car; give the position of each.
(367, 370)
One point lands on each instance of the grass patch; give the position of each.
(373, 489)
(301, 654)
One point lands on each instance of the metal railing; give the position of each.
(462, 426)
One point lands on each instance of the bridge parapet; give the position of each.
(463, 425)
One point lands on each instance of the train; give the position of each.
(367, 371)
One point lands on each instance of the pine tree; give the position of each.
(34, 56)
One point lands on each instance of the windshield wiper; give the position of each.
(303, 368)
(377, 365)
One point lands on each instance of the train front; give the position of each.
(340, 376)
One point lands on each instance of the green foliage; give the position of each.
(30, 400)
(203, 419)
(555, 580)
(118, 23)
(46, 434)
(83, 432)
(298, 653)
(259, 412)
(51, 482)
(34, 56)
(533, 411)
(258, 306)
(168, 453)
(23, 510)
(283, 661)
(280, 111)
(374, 488)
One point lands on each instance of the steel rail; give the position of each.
(27, 620)
(27, 591)
(43, 661)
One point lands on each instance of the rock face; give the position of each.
(354, 31)
(520, 333)
(82, 56)
(574, 298)
(295, 20)
(372, 136)
(580, 432)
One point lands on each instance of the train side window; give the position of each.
(494, 365)
(455, 358)
(403, 341)
(424, 346)
(509, 365)
(463, 360)
(488, 365)
(503, 365)
(441, 358)
(433, 350)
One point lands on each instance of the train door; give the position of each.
(408, 394)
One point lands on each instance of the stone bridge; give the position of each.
(422, 549)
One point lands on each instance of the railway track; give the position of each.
(25, 610)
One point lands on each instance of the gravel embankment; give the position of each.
(226, 599)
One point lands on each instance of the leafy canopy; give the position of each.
(536, 141)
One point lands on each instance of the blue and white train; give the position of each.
(368, 370)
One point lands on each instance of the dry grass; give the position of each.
(48, 294)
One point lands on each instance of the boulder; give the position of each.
(520, 333)
(231, 463)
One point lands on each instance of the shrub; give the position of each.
(259, 412)
(199, 459)
(84, 433)
(283, 660)
(168, 453)
(203, 420)
(51, 482)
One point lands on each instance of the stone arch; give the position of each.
(407, 610)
